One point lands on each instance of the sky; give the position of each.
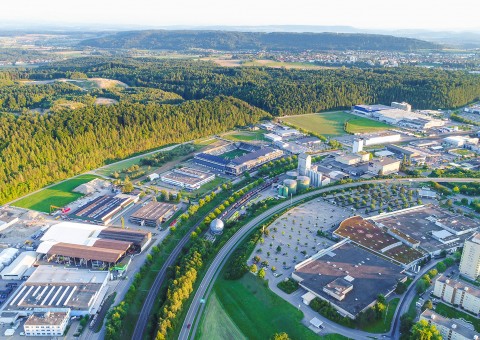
(372, 14)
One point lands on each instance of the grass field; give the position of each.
(245, 136)
(233, 154)
(452, 313)
(216, 324)
(58, 195)
(258, 312)
(383, 325)
(332, 123)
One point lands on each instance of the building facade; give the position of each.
(304, 164)
(458, 293)
(47, 324)
(470, 262)
(448, 328)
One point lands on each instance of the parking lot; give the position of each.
(293, 237)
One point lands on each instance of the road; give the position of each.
(196, 308)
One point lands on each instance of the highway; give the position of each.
(196, 308)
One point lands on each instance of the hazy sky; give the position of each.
(430, 14)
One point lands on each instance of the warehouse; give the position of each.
(7, 256)
(17, 269)
(348, 277)
(139, 239)
(104, 209)
(51, 288)
(188, 178)
(153, 214)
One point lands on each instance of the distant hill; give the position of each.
(242, 41)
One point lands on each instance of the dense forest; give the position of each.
(281, 91)
(36, 150)
(255, 41)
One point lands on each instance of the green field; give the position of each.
(258, 312)
(453, 313)
(234, 154)
(59, 195)
(383, 325)
(333, 123)
(246, 136)
(216, 324)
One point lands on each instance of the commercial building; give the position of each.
(7, 256)
(457, 292)
(309, 141)
(304, 163)
(384, 166)
(47, 323)
(17, 269)
(188, 178)
(90, 245)
(412, 154)
(427, 227)
(458, 141)
(348, 277)
(273, 137)
(153, 177)
(153, 214)
(381, 138)
(51, 288)
(402, 106)
(470, 261)
(286, 132)
(450, 329)
(104, 209)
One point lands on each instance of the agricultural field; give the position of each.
(58, 195)
(333, 124)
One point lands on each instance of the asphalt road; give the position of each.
(196, 308)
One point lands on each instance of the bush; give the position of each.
(288, 286)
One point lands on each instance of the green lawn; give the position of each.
(58, 195)
(383, 325)
(333, 123)
(453, 313)
(216, 324)
(257, 311)
(234, 153)
(245, 136)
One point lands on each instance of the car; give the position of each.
(188, 326)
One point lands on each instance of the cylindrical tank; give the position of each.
(291, 184)
(292, 174)
(303, 182)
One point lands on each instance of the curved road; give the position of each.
(196, 308)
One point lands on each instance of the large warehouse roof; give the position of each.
(153, 211)
(69, 232)
(85, 252)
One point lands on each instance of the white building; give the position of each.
(402, 106)
(153, 177)
(188, 178)
(8, 255)
(304, 163)
(449, 328)
(383, 138)
(47, 324)
(273, 137)
(470, 261)
(19, 266)
(457, 292)
(316, 178)
(357, 145)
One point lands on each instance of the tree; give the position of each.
(381, 299)
(422, 330)
(127, 185)
(421, 286)
(122, 222)
(280, 336)
(253, 268)
(406, 324)
(261, 273)
(401, 288)
(441, 267)
(427, 305)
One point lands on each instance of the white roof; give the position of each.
(441, 234)
(7, 254)
(383, 153)
(24, 261)
(316, 322)
(308, 296)
(54, 274)
(74, 233)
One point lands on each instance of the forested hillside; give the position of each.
(236, 41)
(36, 150)
(285, 92)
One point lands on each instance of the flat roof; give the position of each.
(367, 234)
(53, 274)
(254, 155)
(153, 211)
(86, 252)
(24, 261)
(421, 222)
(71, 232)
(137, 237)
(372, 275)
(385, 161)
(101, 208)
(183, 178)
(47, 319)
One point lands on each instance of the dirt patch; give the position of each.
(105, 101)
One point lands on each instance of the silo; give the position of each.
(303, 182)
(292, 174)
(291, 184)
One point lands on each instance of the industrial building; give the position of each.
(273, 137)
(7, 219)
(7, 256)
(459, 141)
(402, 106)
(153, 176)
(380, 241)
(51, 288)
(427, 227)
(47, 323)
(17, 269)
(384, 166)
(457, 292)
(412, 154)
(353, 158)
(309, 141)
(254, 156)
(449, 328)
(470, 261)
(153, 214)
(380, 138)
(104, 209)
(348, 277)
(188, 178)
(90, 245)
(304, 163)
